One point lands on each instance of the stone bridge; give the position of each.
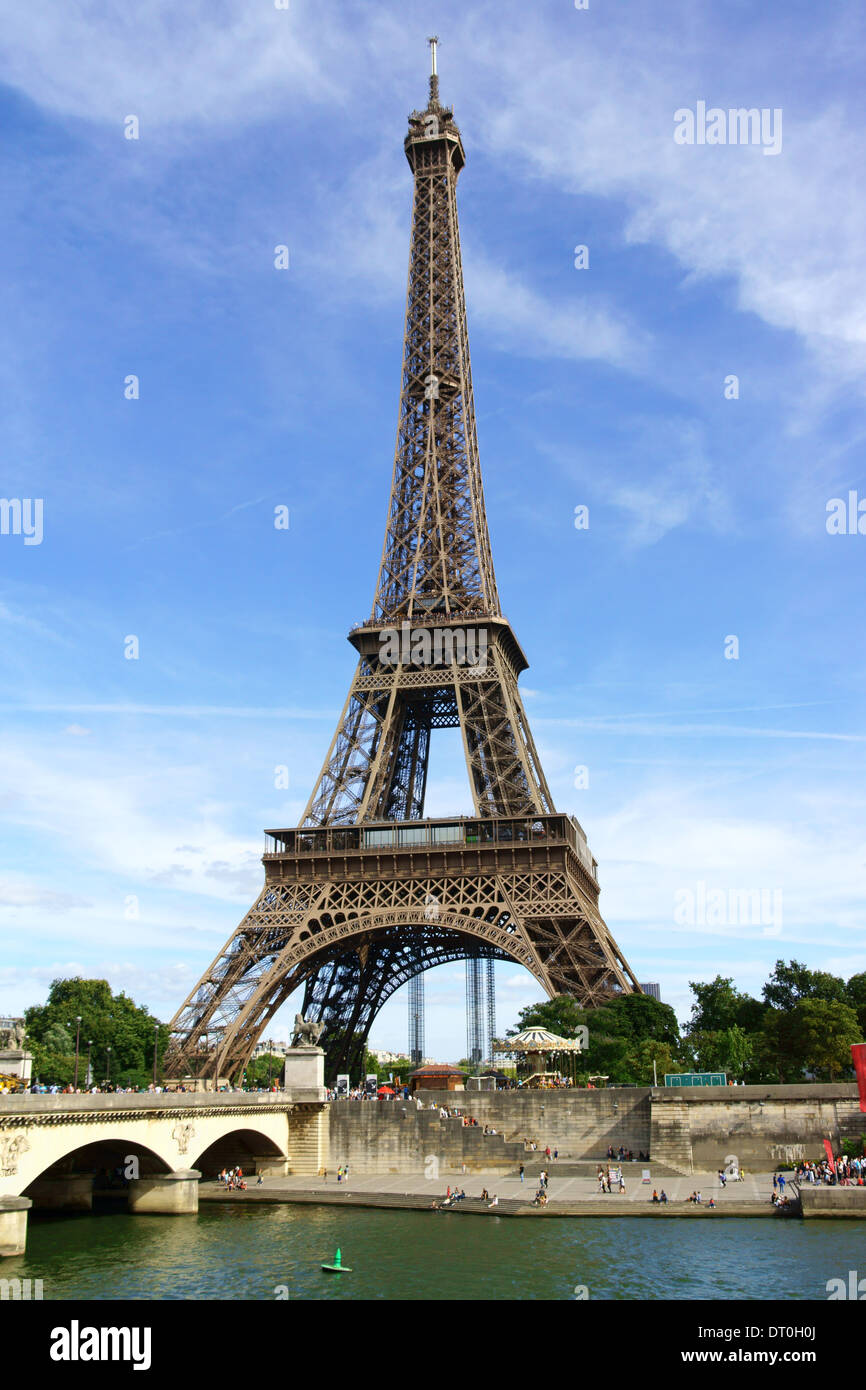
(149, 1150)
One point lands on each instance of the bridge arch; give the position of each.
(247, 1148)
(100, 1168)
(48, 1154)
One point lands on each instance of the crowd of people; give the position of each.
(39, 1088)
(625, 1155)
(233, 1179)
(458, 1195)
(844, 1171)
(608, 1178)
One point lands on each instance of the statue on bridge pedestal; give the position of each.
(307, 1033)
(13, 1034)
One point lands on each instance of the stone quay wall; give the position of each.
(697, 1129)
(838, 1202)
(396, 1137)
(687, 1131)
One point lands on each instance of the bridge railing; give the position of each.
(33, 1103)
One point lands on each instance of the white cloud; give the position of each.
(207, 61)
(591, 113)
(598, 119)
(129, 822)
(521, 319)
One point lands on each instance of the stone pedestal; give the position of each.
(64, 1192)
(15, 1061)
(166, 1194)
(13, 1225)
(304, 1068)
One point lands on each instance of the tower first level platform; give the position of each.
(389, 899)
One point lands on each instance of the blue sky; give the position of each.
(153, 779)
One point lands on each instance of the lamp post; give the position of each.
(108, 1062)
(155, 1037)
(77, 1036)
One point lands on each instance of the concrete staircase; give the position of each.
(482, 1150)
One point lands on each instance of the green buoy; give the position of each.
(337, 1267)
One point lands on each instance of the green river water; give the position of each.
(259, 1252)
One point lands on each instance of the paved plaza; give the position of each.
(568, 1191)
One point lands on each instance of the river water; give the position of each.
(264, 1252)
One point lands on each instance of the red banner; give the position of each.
(858, 1052)
(828, 1149)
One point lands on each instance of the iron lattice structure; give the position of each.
(491, 1009)
(416, 1020)
(345, 912)
(475, 1031)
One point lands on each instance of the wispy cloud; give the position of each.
(172, 711)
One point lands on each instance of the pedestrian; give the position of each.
(522, 1173)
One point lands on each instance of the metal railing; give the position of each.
(457, 832)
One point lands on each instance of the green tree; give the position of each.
(719, 1006)
(645, 1017)
(855, 997)
(721, 1049)
(828, 1028)
(260, 1069)
(792, 982)
(777, 1052)
(561, 1015)
(647, 1051)
(107, 1021)
(815, 1035)
(738, 1053)
(57, 1039)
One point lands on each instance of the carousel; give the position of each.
(542, 1058)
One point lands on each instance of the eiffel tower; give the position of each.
(366, 893)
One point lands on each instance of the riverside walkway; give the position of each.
(570, 1195)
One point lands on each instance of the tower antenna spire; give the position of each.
(434, 75)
